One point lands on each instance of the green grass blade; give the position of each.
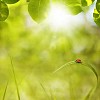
(89, 66)
(64, 65)
(5, 91)
(44, 90)
(92, 68)
(95, 73)
(12, 66)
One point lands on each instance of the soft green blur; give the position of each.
(37, 51)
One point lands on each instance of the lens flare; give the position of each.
(58, 17)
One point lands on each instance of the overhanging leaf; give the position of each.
(98, 6)
(4, 11)
(68, 2)
(10, 1)
(86, 2)
(38, 9)
(96, 16)
(75, 9)
(73, 5)
(72, 2)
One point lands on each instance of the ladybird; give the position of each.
(78, 61)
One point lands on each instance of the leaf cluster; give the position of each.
(4, 11)
(38, 9)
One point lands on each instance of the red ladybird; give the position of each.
(78, 61)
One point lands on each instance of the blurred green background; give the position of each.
(37, 50)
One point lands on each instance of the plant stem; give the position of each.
(14, 77)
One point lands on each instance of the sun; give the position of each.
(58, 17)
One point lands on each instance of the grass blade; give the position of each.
(45, 90)
(12, 66)
(5, 91)
(90, 66)
(66, 64)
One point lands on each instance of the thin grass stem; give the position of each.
(45, 91)
(66, 64)
(12, 66)
(5, 91)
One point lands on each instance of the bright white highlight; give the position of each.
(58, 17)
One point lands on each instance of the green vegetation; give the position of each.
(43, 61)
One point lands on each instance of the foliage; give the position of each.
(36, 51)
(4, 12)
(10, 1)
(38, 9)
(96, 13)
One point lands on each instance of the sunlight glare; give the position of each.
(58, 17)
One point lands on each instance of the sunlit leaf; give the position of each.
(38, 9)
(73, 5)
(75, 9)
(96, 16)
(87, 2)
(10, 1)
(98, 6)
(4, 11)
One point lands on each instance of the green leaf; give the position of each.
(4, 11)
(75, 9)
(10, 1)
(38, 9)
(86, 2)
(96, 16)
(73, 5)
(98, 6)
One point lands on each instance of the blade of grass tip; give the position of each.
(5, 91)
(66, 64)
(14, 77)
(93, 89)
(44, 90)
